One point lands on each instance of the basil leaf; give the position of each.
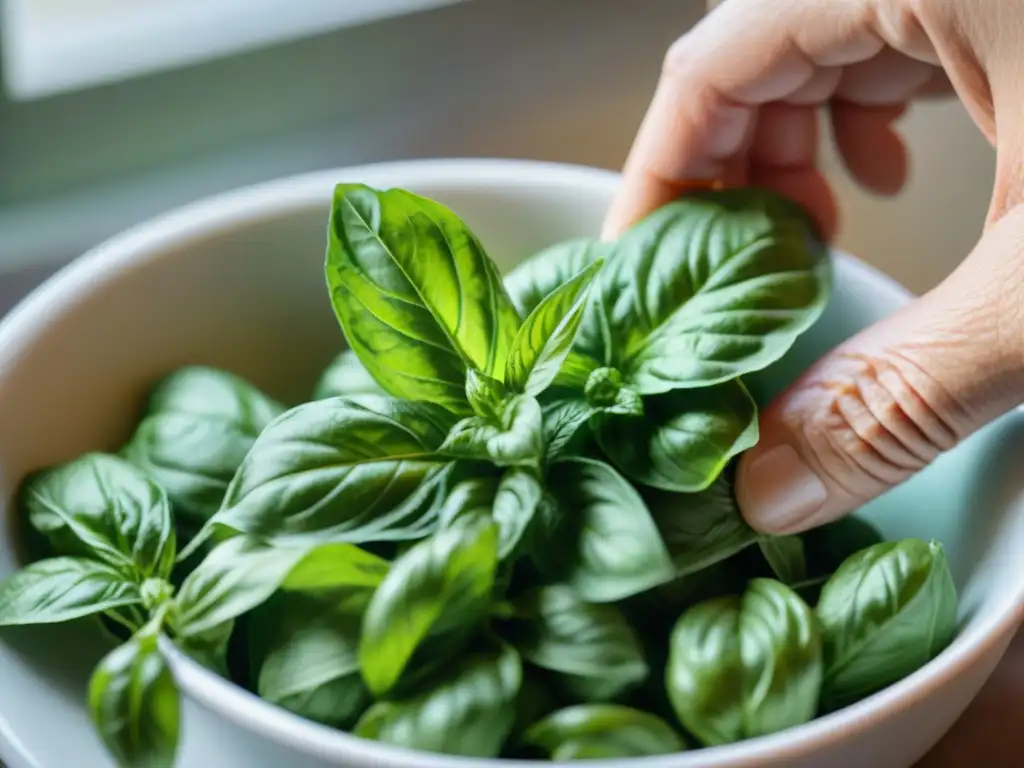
(597, 654)
(547, 334)
(685, 438)
(534, 279)
(785, 556)
(312, 664)
(470, 711)
(562, 421)
(416, 295)
(344, 377)
(243, 572)
(515, 440)
(439, 587)
(101, 506)
(604, 391)
(887, 611)
(710, 287)
(700, 529)
(63, 588)
(339, 469)
(576, 370)
(605, 545)
(135, 704)
(203, 391)
(603, 731)
(745, 666)
(210, 648)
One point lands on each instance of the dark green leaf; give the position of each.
(102, 507)
(516, 440)
(470, 711)
(243, 572)
(605, 544)
(416, 295)
(135, 704)
(562, 421)
(887, 611)
(700, 529)
(344, 377)
(544, 341)
(685, 438)
(534, 279)
(441, 585)
(745, 666)
(785, 555)
(603, 731)
(592, 647)
(62, 589)
(339, 469)
(216, 394)
(829, 545)
(710, 287)
(485, 394)
(311, 666)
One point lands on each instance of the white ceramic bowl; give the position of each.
(237, 281)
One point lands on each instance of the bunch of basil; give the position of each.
(504, 524)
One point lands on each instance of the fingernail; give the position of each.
(780, 490)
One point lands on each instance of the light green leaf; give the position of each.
(469, 711)
(311, 666)
(603, 731)
(684, 439)
(204, 391)
(342, 470)
(135, 704)
(534, 279)
(417, 297)
(562, 421)
(101, 506)
(516, 440)
(547, 334)
(64, 588)
(785, 556)
(344, 377)
(439, 586)
(605, 544)
(594, 652)
(243, 572)
(710, 287)
(741, 667)
(700, 529)
(887, 611)
(485, 394)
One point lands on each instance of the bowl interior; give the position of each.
(237, 282)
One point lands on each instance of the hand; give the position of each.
(738, 103)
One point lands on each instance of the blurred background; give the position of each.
(116, 110)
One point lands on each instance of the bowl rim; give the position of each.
(152, 239)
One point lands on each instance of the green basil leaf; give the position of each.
(562, 421)
(101, 506)
(210, 648)
(534, 279)
(135, 704)
(242, 572)
(439, 586)
(416, 295)
(344, 377)
(700, 529)
(785, 556)
(710, 287)
(685, 438)
(203, 391)
(509, 499)
(603, 731)
(887, 611)
(605, 544)
(516, 440)
(597, 654)
(576, 370)
(547, 334)
(311, 666)
(745, 666)
(485, 395)
(470, 711)
(341, 469)
(63, 588)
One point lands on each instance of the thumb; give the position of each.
(887, 402)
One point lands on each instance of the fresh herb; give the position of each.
(505, 522)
